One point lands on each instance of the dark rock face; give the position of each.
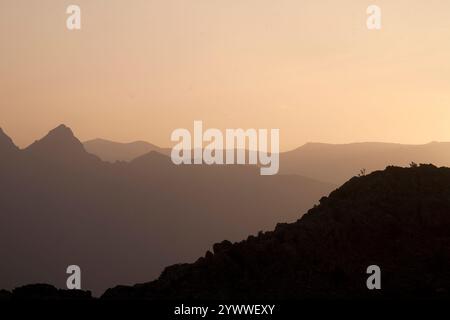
(5, 295)
(43, 292)
(398, 219)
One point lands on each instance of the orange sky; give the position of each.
(139, 69)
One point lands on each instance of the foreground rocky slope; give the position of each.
(43, 292)
(398, 219)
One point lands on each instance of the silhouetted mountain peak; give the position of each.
(60, 137)
(61, 130)
(59, 143)
(6, 143)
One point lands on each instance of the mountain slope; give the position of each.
(7, 146)
(9, 152)
(398, 219)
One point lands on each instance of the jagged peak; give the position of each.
(59, 140)
(61, 133)
(61, 130)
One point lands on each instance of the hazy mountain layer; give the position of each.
(334, 163)
(123, 222)
(115, 151)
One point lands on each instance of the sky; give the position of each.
(139, 69)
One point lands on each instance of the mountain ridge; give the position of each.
(59, 199)
(112, 151)
(334, 163)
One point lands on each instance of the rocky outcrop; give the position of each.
(43, 292)
(397, 219)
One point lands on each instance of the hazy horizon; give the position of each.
(311, 69)
(170, 146)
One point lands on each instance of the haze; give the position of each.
(140, 69)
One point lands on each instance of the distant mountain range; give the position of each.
(123, 222)
(332, 163)
(115, 151)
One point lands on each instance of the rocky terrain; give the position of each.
(43, 292)
(398, 219)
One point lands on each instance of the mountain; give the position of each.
(333, 163)
(336, 163)
(8, 151)
(123, 222)
(6, 144)
(59, 146)
(116, 151)
(397, 219)
(61, 139)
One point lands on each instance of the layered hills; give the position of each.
(123, 222)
